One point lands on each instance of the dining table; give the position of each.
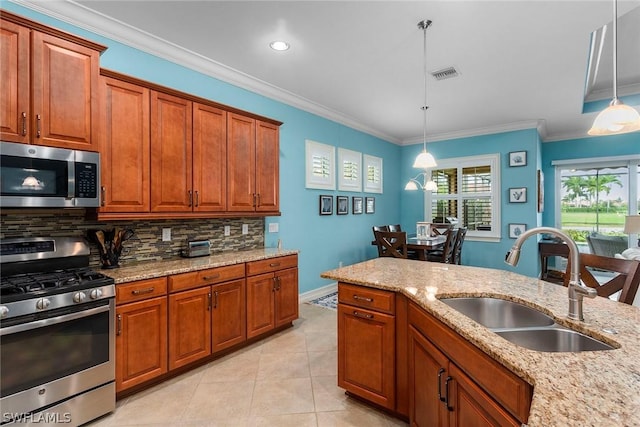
(423, 245)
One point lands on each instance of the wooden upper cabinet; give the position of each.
(267, 167)
(171, 153)
(50, 84)
(14, 75)
(209, 158)
(241, 155)
(124, 146)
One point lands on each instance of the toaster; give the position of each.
(196, 248)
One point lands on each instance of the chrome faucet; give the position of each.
(577, 291)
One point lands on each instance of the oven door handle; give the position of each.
(53, 320)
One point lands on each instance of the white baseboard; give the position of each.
(317, 293)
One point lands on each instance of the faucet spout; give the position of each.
(576, 290)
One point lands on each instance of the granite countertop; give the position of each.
(152, 269)
(595, 388)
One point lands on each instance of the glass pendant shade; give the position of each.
(431, 186)
(424, 160)
(411, 186)
(616, 118)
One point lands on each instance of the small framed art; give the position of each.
(356, 209)
(515, 230)
(342, 205)
(518, 195)
(518, 158)
(369, 205)
(326, 205)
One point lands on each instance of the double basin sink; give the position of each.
(524, 326)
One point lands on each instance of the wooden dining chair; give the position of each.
(457, 248)
(626, 281)
(391, 243)
(446, 254)
(438, 229)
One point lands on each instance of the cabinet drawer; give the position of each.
(271, 264)
(142, 289)
(180, 282)
(360, 296)
(513, 393)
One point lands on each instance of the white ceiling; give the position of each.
(360, 62)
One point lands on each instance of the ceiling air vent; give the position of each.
(445, 73)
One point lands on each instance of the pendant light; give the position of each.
(424, 160)
(617, 118)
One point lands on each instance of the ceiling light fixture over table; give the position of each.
(616, 118)
(424, 160)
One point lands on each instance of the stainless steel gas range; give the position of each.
(57, 338)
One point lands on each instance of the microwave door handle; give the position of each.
(71, 182)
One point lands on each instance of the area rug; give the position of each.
(328, 301)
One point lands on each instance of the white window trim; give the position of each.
(458, 163)
(353, 157)
(313, 149)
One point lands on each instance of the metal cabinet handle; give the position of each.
(190, 198)
(209, 301)
(215, 276)
(274, 284)
(119, 327)
(274, 264)
(440, 372)
(38, 119)
(258, 197)
(197, 199)
(446, 390)
(359, 298)
(103, 193)
(363, 315)
(142, 291)
(24, 123)
(279, 279)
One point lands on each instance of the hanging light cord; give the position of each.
(424, 25)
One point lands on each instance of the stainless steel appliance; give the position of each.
(196, 248)
(57, 337)
(45, 177)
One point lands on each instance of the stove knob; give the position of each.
(43, 303)
(95, 293)
(3, 311)
(79, 297)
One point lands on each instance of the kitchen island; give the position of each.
(599, 388)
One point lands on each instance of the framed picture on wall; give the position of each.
(342, 205)
(515, 230)
(369, 205)
(518, 158)
(320, 165)
(518, 195)
(356, 209)
(326, 205)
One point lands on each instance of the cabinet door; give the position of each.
(260, 304)
(472, 407)
(141, 342)
(209, 158)
(124, 146)
(171, 153)
(366, 354)
(189, 326)
(241, 156)
(267, 169)
(428, 373)
(14, 90)
(65, 93)
(286, 296)
(229, 321)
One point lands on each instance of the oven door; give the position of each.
(48, 360)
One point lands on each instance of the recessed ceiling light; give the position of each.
(279, 45)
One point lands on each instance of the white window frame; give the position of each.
(328, 154)
(493, 160)
(376, 164)
(352, 157)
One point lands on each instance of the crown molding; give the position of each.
(539, 125)
(77, 15)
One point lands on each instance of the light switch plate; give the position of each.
(227, 230)
(245, 228)
(273, 227)
(166, 234)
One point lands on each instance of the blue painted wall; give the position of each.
(326, 241)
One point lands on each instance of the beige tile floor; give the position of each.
(289, 379)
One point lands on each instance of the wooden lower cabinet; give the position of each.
(141, 342)
(228, 315)
(189, 326)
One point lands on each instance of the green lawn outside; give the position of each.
(589, 218)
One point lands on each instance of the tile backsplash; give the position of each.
(146, 244)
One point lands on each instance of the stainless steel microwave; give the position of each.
(33, 176)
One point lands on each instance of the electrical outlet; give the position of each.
(166, 234)
(245, 228)
(273, 227)
(227, 230)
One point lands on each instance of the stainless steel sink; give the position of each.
(497, 313)
(524, 326)
(553, 340)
